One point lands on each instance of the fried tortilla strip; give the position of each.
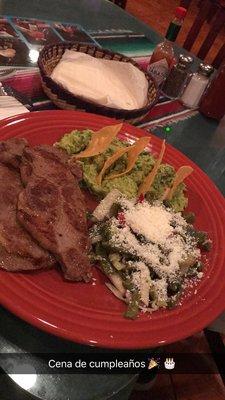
(132, 155)
(109, 162)
(100, 141)
(181, 174)
(146, 184)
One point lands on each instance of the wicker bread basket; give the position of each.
(49, 58)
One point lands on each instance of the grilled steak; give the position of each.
(51, 208)
(18, 251)
(11, 151)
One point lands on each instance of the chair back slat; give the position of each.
(219, 57)
(198, 22)
(218, 22)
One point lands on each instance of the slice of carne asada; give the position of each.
(52, 209)
(18, 250)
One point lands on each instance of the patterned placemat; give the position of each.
(165, 112)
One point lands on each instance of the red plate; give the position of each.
(89, 313)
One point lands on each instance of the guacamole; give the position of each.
(128, 184)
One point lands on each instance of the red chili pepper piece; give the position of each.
(121, 218)
(141, 198)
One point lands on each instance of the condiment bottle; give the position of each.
(174, 84)
(196, 86)
(163, 57)
(213, 103)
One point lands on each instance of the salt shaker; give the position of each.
(177, 77)
(196, 86)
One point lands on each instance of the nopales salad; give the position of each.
(147, 251)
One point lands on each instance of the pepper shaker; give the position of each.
(177, 77)
(196, 86)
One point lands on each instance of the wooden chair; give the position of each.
(220, 57)
(120, 3)
(212, 11)
(218, 22)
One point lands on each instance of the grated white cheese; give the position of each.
(153, 222)
(158, 237)
(164, 238)
(162, 248)
(124, 236)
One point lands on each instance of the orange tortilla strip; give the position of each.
(181, 174)
(146, 184)
(109, 162)
(100, 141)
(133, 153)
